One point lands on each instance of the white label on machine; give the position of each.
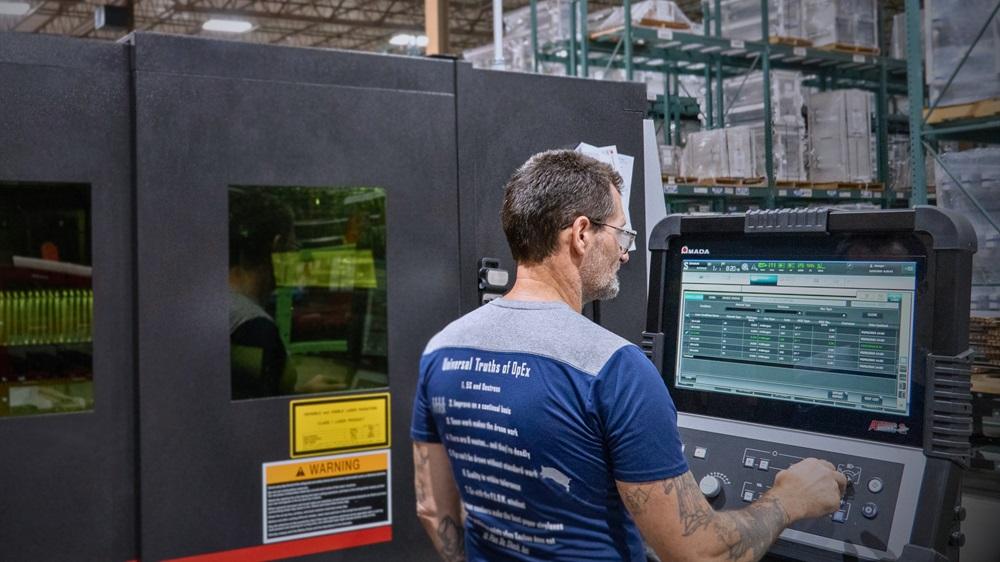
(327, 495)
(859, 58)
(665, 33)
(799, 51)
(737, 44)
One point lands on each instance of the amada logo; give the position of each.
(686, 250)
(888, 427)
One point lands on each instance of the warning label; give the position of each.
(339, 424)
(326, 495)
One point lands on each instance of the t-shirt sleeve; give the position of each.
(638, 419)
(422, 427)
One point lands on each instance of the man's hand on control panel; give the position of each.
(809, 488)
(678, 523)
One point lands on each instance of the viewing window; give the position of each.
(46, 299)
(307, 303)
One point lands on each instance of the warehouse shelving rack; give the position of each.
(716, 58)
(924, 135)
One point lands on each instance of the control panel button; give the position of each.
(748, 496)
(710, 486)
(875, 485)
(749, 462)
(839, 516)
(700, 452)
(869, 510)
(764, 464)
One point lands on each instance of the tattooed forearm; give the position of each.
(694, 513)
(636, 499)
(452, 540)
(751, 530)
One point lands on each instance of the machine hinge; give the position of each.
(948, 418)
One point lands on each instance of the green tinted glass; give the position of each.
(307, 290)
(46, 299)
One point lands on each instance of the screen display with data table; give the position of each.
(834, 333)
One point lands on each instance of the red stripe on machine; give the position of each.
(301, 547)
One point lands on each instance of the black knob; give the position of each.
(959, 513)
(957, 538)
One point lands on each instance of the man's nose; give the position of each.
(624, 258)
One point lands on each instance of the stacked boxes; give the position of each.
(840, 136)
(706, 155)
(739, 152)
(841, 23)
(950, 27)
(789, 152)
(643, 12)
(741, 19)
(978, 171)
(745, 104)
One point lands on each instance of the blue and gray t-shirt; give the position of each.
(541, 410)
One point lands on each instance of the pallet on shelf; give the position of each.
(791, 184)
(679, 179)
(865, 186)
(971, 110)
(730, 181)
(790, 41)
(849, 49)
(644, 22)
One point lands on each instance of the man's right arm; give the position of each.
(679, 524)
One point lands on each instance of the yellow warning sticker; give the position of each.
(320, 426)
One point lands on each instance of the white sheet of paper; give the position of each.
(620, 163)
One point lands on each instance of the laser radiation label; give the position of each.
(324, 426)
(326, 495)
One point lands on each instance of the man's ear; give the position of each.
(580, 234)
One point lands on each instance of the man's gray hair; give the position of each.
(547, 193)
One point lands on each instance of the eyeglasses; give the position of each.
(625, 236)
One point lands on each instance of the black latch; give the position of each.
(785, 220)
(652, 346)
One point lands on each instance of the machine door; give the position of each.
(297, 240)
(505, 117)
(66, 301)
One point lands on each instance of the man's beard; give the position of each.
(600, 281)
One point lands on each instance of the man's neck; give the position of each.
(547, 282)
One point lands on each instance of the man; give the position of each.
(555, 439)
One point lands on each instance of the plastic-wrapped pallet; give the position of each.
(741, 19)
(979, 172)
(706, 155)
(950, 26)
(747, 108)
(898, 38)
(789, 152)
(840, 136)
(739, 148)
(643, 13)
(841, 22)
(670, 160)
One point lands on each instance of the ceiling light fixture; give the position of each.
(14, 8)
(227, 26)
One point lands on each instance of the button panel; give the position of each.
(746, 469)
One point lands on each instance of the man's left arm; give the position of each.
(439, 507)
